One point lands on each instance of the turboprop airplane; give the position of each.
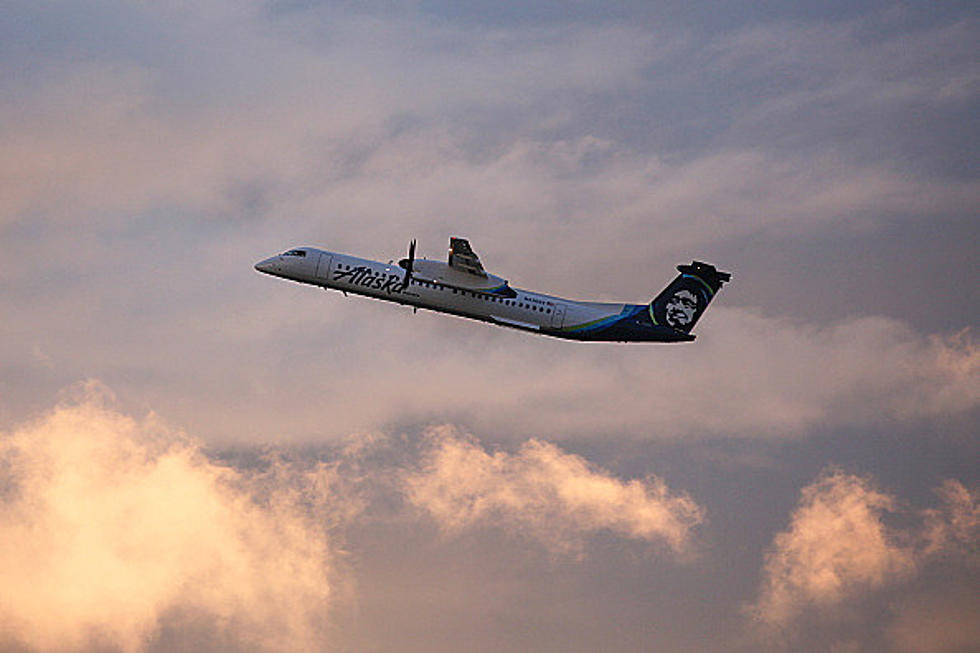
(462, 287)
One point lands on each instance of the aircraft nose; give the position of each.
(266, 265)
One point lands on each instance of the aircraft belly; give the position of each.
(515, 323)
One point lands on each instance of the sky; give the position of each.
(196, 456)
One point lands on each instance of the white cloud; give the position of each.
(954, 528)
(115, 528)
(541, 490)
(746, 376)
(838, 548)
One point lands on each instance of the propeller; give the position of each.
(409, 264)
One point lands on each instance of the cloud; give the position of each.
(944, 621)
(846, 63)
(328, 111)
(838, 548)
(856, 371)
(357, 131)
(553, 190)
(746, 376)
(305, 95)
(149, 154)
(541, 490)
(954, 528)
(119, 531)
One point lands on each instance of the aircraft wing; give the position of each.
(463, 258)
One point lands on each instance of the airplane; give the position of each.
(462, 287)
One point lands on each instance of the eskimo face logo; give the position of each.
(680, 308)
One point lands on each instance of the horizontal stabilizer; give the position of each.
(706, 272)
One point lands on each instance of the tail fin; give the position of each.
(682, 302)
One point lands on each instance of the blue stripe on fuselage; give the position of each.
(632, 323)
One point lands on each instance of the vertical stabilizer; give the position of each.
(681, 304)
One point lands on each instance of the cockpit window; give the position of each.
(295, 252)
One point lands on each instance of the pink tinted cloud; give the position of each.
(115, 527)
(954, 527)
(746, 376)
(838, 549)
(836, 546)
(542, 491)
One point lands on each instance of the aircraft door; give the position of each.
(558, 316)
(323, 267)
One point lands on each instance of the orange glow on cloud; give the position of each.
(113, 528)
(553, 495)
(838, 547)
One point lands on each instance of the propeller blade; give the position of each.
(409, 264)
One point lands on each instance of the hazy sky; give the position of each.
(195, 455)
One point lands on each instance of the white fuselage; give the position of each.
(524, 310)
